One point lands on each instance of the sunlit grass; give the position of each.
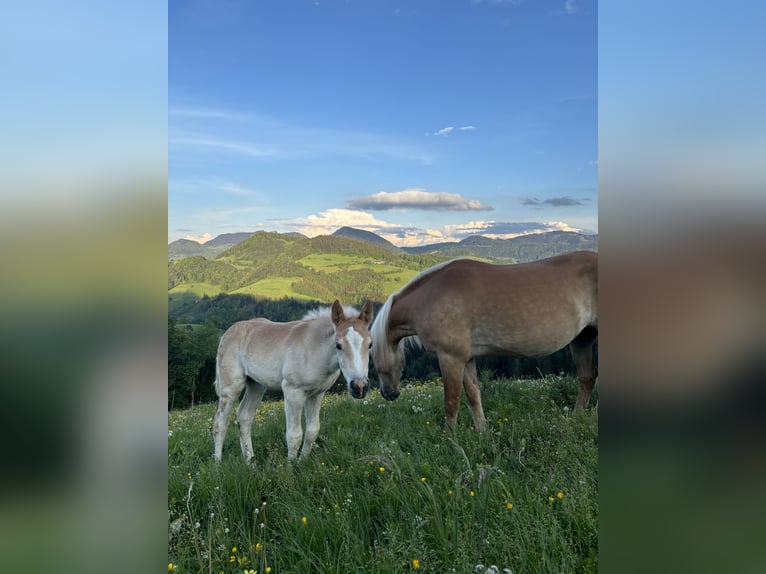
(387, 489)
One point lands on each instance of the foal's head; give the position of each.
(352, 347)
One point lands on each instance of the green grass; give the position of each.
(196, 289)
(273, 287)
(386, 485)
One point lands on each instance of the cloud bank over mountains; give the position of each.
(418, 199)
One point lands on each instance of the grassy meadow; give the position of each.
(388, 490)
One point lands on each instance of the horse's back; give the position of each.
(527, 309)
(255, 348)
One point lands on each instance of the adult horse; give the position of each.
(462, 309)
(302, 358)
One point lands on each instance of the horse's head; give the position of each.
(352, 344)
(388, 357)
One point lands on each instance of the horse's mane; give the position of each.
(322, 312)
(380, 324)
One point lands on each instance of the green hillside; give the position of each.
(276, 265)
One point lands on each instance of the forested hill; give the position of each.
(275, 265)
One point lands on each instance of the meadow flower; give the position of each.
(472, 493)
(382, 469)
(234, 550)
(172, 567)
(551, 499)
(304, 520)
(258, 547)
(268, 569)
(559, 495)
(415, 564)
(422, 479)
(251, 571)
(509, 506)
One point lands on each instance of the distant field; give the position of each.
(273, 287)
(332, 262)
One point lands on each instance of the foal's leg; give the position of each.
(229, 388)
(294, 400)
(311, 408)
(584, 360)
(472, 392)
(452, 374)
(246, 414)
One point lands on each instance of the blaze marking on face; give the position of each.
(355, 341)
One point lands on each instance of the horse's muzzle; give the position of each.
(388, 394)
(359, 388)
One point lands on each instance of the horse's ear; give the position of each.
(337, 312)
(366, 314)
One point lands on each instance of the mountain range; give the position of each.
(516, 250)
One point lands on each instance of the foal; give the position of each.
(303, 359)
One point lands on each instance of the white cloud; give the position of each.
(207, 114)
(329, 221)
(235, 147)
(444, 132)
(418, 199)
(570, 6)
(504, 229)
(201, 239)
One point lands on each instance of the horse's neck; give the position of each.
(323, 340)
(400, 319)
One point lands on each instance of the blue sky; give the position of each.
(421, 121)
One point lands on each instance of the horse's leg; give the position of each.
(584, 360)
(245, 415)
(229, 388)
(294, 400)
(311, 408)
(472, 392)
(452, 374)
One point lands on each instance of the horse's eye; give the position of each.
(370, 345)
(338, 346)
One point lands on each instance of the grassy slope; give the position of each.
(386, 485)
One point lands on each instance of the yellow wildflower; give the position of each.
(382, 469)
(234, 550)
(509, 506)
(172, 567)
(551, 499)
(449, 492)
(415, 564)
(268, 569)
(559, 495)
(304, 520)
(422, 479)
(258, 547)
(472, 493)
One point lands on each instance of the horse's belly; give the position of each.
(265, 372)
(528, 343)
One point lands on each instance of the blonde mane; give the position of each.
(325, 312)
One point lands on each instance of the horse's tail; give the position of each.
(217, 382)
